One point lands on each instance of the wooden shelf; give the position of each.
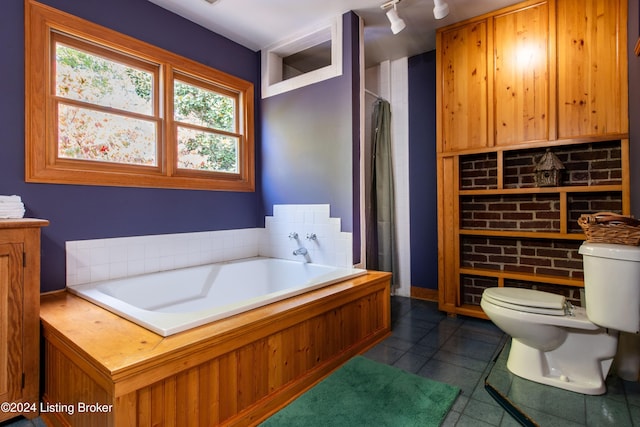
(536, 144)
(539, 190)
(513, 275)
(471, 310)
(524, 234)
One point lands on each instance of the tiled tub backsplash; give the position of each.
(330, 247)
(103, 259)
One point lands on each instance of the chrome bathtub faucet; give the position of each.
(300, 251)
(293, 235)
(311, 236)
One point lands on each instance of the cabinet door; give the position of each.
(11, 287)
(592, 67)
(521, 79)
(464, 87)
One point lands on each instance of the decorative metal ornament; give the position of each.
(547, 170)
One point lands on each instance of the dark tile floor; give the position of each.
(463, 351)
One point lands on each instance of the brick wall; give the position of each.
(585, 164)
(479, 172)
(587, 203)
(550, 257)
(535, 212)
(473, 286)
(542, 257)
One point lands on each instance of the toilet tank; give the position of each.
(612, 285)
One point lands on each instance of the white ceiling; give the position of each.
(257, 24)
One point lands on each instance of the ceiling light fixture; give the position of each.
(397, 23)
(441, 9)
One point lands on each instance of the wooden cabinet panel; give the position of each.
(521, 76)
(448, 224)
(531, 73)
(19, 320)
(464, 88)
(592, 67)
(10, 322)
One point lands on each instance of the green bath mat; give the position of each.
(367, 393)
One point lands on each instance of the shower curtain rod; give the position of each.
(373, 93)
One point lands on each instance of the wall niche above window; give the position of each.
(302, 60)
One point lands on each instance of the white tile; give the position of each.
(151, 265)
(117, 253)
(117, 270)
(72, 280)
(99, 272)
(135, 267)
(100, 259)
(151, 250)
(83, 275)
(135, 252)
(166, 262)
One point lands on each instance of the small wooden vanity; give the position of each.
(19, 326)
(235, 371)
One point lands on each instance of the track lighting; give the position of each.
(441, 9)
(397, 23)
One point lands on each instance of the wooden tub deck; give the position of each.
(235, 371)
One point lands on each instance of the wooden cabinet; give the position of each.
(535, 71)
(19, 316)
(463, 72)
(522, 72)
(592, 68)
(549, 74)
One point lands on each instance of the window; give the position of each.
(105, 109)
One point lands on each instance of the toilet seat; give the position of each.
(526, 300)
(535, 306)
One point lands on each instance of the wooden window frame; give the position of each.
(41, 160)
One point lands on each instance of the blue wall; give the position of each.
(90, 212)
(422, 170)
(308, 140)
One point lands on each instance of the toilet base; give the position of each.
(564, 370)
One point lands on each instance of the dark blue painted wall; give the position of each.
(422, 170)
(90, 212)
(308, 140)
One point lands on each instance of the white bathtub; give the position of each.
(172, 301)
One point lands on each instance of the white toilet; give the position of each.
(570, 347)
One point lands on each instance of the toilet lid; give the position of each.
(526, 300)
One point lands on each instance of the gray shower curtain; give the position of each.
(380, 218)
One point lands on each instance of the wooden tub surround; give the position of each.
(235, 371)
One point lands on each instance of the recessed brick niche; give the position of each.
(486, 207)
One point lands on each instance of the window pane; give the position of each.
(82, 76)
(202, 107)
(93, 135)
(207, 151)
